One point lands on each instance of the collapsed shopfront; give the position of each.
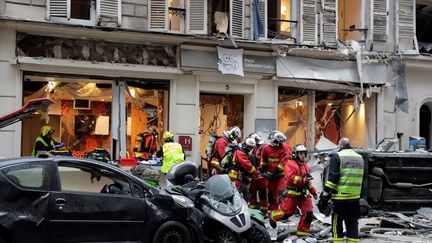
(89, 112)
(107, 94)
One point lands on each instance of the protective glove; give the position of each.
(265, 175)
(309, 177)
(58, 146)
(323, 204)
(275, 173)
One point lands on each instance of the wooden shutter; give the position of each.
(379, 20)
(109, 10)
(237, 18)
(58, 8)
(329, 23)
(158, 15)
(196, 12)
(405, 27)
(262, 9)
(308, 22)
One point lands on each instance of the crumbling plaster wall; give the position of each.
(25, 9)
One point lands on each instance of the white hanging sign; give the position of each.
(230, 61)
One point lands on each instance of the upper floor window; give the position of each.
(84, 12)
(424, 26)
(279, 19)
(180, 16)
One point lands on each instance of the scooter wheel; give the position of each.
(257, 234)
(225, 235)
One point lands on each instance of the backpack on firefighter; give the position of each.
(211, 144)
(226, 162)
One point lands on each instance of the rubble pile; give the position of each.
(383, 227)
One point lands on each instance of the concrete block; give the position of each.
(19, 1)
(38, 3)
(128, 9)
(134, 23)
(141, 10)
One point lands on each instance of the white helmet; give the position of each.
(299, 148)
(249, 143)
(277, 138)
(258, 139)
(233, 133)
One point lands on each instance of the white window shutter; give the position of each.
(237, 18)
(379, 20)
(158, 15)
(262, 8)
(58, 8)
(196, 12)
(308, 22)
(329, 22)
(405, 27)
(109, 10)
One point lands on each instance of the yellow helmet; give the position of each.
(168, 135)
(46, 130)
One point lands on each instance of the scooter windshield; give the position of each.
(220, 187)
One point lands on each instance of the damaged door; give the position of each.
(94, 204)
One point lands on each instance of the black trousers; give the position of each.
(348, 212)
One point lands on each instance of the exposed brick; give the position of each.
(128, 9)
(140, 10)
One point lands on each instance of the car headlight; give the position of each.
(183, 201)
(229, 207)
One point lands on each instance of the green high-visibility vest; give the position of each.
(351, 175)
(40, 139)
(173, 154)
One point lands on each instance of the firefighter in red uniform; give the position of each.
(258, 186)
(219, 148)
(299, 188)
(274, 156)
(240, 166)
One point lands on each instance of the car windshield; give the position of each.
(220, 187)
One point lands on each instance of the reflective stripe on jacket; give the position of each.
(351, 176)
(40, 139)
(172, 155)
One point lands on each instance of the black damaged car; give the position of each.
(66, 199)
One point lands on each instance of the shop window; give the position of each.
(81, 116)
(147, 103)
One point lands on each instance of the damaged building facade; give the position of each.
(310, 68)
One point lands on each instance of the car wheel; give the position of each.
(172, 232)
(224, 235)
(257, 234)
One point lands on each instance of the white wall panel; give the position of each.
(186, 90)
(8, 143)
(8, 82)
(25, 11)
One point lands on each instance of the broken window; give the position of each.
(279, 19)
(84, 12)
(349, 20)
(227, 18)
(424, 25)
(182, 16)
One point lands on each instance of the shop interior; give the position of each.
(218, 113)
(335, 116)
(82, 114)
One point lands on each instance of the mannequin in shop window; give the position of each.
(148, 144)
(44, 142)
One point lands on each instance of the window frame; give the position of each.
(46, 178)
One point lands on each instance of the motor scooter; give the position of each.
(227, 218)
